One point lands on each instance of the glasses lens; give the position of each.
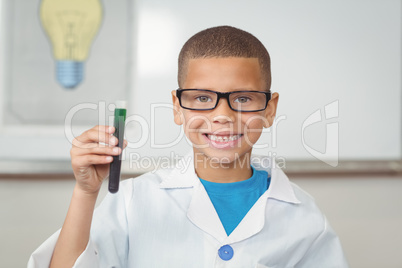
(248, 101)
(198, 99)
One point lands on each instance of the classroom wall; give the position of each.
(341, 59)
(364, 211)
(319, 53)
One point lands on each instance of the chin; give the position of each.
(221, 156)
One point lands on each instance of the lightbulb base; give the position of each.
(70, 73)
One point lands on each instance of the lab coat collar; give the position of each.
(280, 187)
(183, 176)
(202, 212)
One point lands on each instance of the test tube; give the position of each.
(115, 166)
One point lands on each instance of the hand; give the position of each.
(91, 156)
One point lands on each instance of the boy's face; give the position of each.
(223, 134)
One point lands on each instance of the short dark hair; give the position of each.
(224, 42)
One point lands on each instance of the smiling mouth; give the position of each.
(223, 138)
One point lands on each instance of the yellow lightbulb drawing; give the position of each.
(71, 25)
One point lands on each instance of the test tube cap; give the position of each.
(120, 104)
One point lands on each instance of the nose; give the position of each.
(222, 113)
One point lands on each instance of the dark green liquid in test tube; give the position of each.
(115, 166)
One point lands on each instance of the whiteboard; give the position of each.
(338, 60)
(345, 55)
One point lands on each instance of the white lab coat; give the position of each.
(166, 219)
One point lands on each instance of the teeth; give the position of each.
(223, 138)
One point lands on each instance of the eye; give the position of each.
(242, 99)
(203, 98)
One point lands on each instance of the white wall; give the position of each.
(366, 212)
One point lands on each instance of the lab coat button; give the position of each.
(225, 252)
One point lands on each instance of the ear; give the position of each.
(270, 112)
(177, 114)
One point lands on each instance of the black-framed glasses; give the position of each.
(240, 101)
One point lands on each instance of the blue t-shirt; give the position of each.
(233, 200)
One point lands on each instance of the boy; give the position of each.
(227, 209)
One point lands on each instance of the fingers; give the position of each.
(99, 135)
(91, 154)
(94, 149)
(86, 160)
(97, 141)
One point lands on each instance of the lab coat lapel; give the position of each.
(201, 212)
(279, 189)
(252, 223)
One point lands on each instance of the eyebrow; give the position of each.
(231, 90)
